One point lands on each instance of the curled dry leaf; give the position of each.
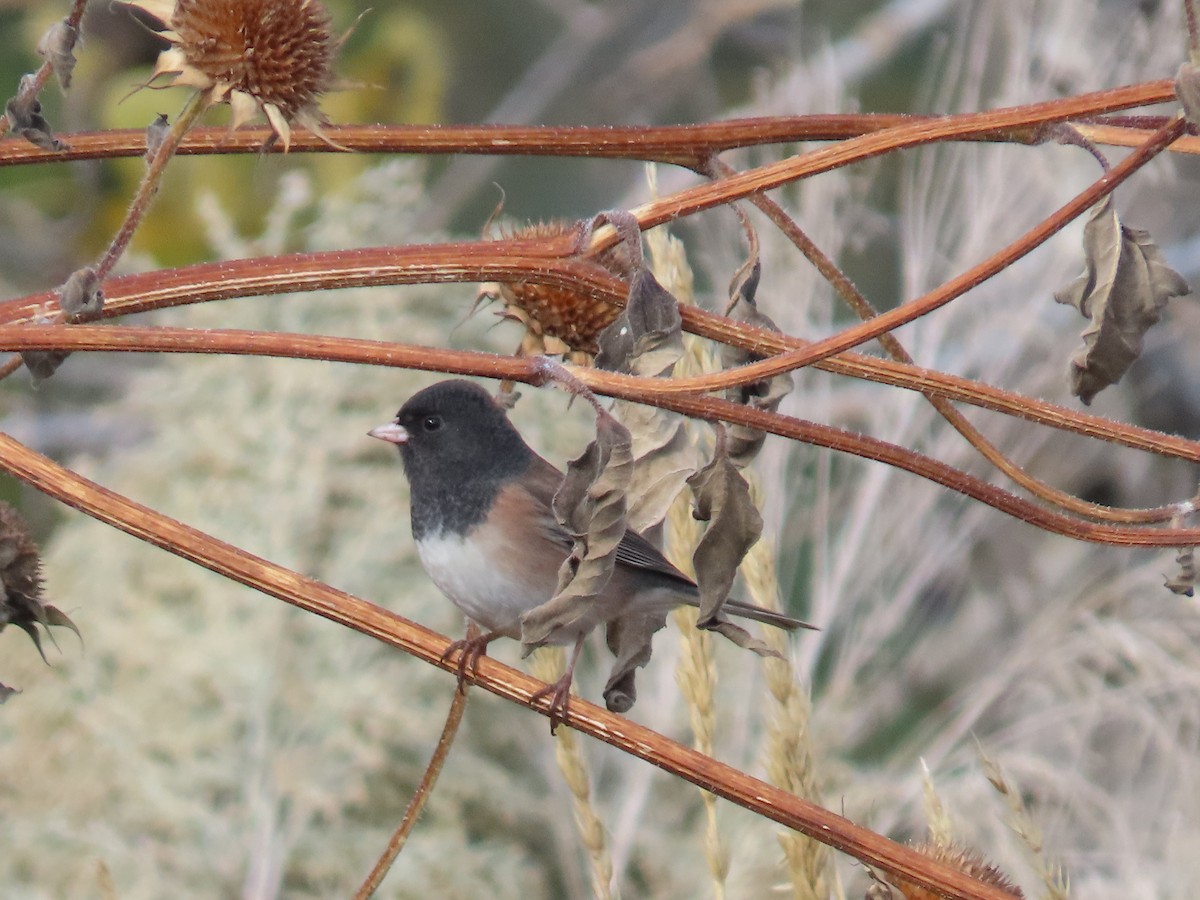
(629, 639)
(1187, 89)
(590, 505)
(745, 442)
(1184, 580)
(1123, 291)
(80, 296)
(57, 47)
(156, 133)
(25, 118)
(647, 337)
(721, 497)
(6, 692)
(21, 582)
(664, 457)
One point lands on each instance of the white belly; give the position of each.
(480, 589)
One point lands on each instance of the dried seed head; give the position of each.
(273, 56)
(21, 581)
(559, 320)
(966, 860)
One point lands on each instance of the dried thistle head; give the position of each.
(956, 856)
(558, 320)
(268, 56)
(21, 581)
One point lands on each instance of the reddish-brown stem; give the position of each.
(458, 703)
(156, 166)
(686, 145)
(637, 740)
(651, 391)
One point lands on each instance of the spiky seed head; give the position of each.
(268, 56)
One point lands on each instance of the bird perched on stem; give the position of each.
(487, 535)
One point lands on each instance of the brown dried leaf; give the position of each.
(80, 295)
(57, 47)
(647, 338)
(25, 118)
(663, 459)
(1123, 291)
(629, 638)
(43, 363)
(590, 504)
(1184, 580)
(1187, 89)
(745, 442)
(156, 133)
(6, 692)
(721, 497)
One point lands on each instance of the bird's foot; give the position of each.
(469, 650)
(560, 698)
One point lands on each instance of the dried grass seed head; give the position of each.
(268, 56)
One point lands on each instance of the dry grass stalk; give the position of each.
(696, 671)
(548, 664)
(1054, 879)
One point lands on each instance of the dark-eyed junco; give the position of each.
(486, 533)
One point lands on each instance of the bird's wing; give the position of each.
(542, 480)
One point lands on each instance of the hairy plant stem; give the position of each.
(156, 166)
(458, 703)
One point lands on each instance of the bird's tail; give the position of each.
(766, 616)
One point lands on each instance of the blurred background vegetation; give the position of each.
(210, 742)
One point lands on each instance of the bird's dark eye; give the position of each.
(432, 423)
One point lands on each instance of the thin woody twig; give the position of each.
(421, 794)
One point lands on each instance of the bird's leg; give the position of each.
(470, 648)
(560, 692)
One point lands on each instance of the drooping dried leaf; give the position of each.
(43, 363)
(25, 118)
(721, 497)
(745, 442)
(629, 638)
(21, 582)
(647, 338)
(6, 692)
(156, 133)
(663, 459)
(1187, 89)
(1183, 582)
(590, 504)
(1123, 291)
(80, 295)
(57, 47)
